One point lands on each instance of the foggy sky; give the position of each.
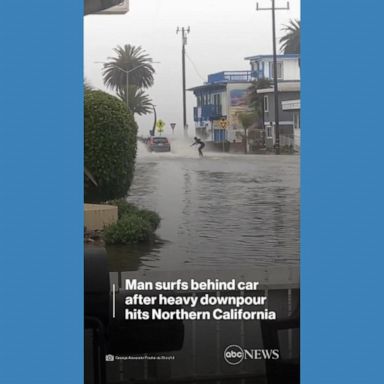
(223, 32)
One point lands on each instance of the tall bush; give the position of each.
(109, 146)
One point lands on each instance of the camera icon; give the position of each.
(109, 358)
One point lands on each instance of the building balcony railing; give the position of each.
(230, 76)
(207, 112)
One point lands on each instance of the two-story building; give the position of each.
(288, 67)
(288, 77)
(225, 95)
(219, 102)
(289, 115)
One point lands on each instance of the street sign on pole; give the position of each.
(223, 124)
(160, 126)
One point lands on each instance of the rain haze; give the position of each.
(223, 33)
(221, 206)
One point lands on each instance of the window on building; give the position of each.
(296, 120)
(217, 99)
(255, 66)
(266, 104)
(279, 70)
(269, 132)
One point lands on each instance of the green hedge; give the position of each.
(109, 146)
(131, 228)
(123, 207)
(152, 217)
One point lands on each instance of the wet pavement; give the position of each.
(220, 212)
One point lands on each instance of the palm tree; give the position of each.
(290, 42)
(139, 102)
(129, 58)
(256, 100)
(247, 120)
(255, 116)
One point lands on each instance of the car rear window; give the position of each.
(160, 140)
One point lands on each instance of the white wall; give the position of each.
(291, 69)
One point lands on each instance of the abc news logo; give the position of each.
(234, 354)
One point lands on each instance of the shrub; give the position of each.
(152, 217)
(131, 228)
(123, 207)
(135, 225)
(109, 146)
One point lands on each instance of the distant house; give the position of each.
(289, 114)
(288, 77)
(218, 103)
(288, 68)
(224, 96)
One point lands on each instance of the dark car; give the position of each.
(159, 144)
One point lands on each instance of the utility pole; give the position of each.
(275, 83)
(184, 33)
(155, 120)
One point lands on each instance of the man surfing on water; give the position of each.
(200, 144)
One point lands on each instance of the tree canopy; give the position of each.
(138, 101)
(290, 42)
(128, 58)
(133, 64)
(256, 100)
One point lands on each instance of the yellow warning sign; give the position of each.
(160, 124)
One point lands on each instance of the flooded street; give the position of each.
(224, 211)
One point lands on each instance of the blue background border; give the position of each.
(41, 219)
(342, 192)
(41, 193)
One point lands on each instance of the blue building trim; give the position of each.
(219, 135)
(215, 87)
(208, 112)
(230, 76)
(262, 57)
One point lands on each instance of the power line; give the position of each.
(194, 67)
